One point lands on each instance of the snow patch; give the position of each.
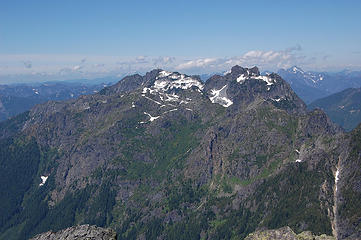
(163, 74)
(168, 81)
(153, 100)
(171, 97)
(178, 82)
(172, 110)
(267, 79)
(337, 176)
(241, 78)
(277, 99)
(150, 117)
(220, 97)
(43, 180)
(296, 69)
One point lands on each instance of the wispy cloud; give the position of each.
(163, 61)
(264, 59)
(77, 68)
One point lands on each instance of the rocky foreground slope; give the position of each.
(164, 156)
(83, 232)
(286, 233)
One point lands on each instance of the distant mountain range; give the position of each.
(344, 108)
(311, 85)
(18, 98)
(308, 85)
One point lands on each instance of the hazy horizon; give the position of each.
(87, 39)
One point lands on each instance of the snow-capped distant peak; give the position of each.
(296, 69)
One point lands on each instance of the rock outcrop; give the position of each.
(285, 233)
(81, 232)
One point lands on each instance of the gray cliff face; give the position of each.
(349, 190)
(83, 232)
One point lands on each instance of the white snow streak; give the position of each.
(151, 119)
(43, 180)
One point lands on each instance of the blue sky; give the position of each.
(94, 38)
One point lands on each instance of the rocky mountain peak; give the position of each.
(295, 69)
(242, 86)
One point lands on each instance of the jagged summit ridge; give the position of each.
(170, 82)
(251, 73)
(241, 86)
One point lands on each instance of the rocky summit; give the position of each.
(166, 156)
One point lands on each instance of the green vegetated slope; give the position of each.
(170, 164)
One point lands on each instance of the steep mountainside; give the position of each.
(166, 156)
(344, 108)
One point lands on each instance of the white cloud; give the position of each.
(264, 59)
(163, 61)
(77, 68)
(198, 63)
